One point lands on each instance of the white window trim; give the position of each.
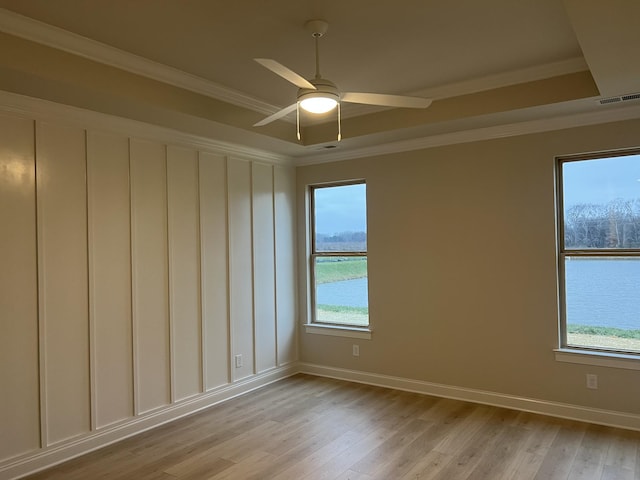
(595, 358)
(319, 328)
(363, 333)
(567, 353)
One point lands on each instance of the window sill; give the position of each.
(601, 359)
(338, 331)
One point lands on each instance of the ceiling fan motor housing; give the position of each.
(324, 88)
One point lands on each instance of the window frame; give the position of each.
(314, 254)
(566, 352)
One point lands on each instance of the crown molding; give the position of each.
(49, 35)
(45, 110)
(489, 82)
(50, 111)
(505, 79)
(477, 134)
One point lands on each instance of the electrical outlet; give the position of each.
(592, 381)
(356, 350)
(238, 361)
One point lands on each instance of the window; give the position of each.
(339, 255)
(599, 252)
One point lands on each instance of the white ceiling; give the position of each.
(422, 47)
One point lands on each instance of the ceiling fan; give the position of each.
(320, 95)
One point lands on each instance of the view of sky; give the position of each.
(341, 209)
(602, 180)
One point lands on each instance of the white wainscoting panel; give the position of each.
(215, 269)
(240, 267)
(63, 272)
(19, 401)
(184, 271)
(264, 266)
(284, 187)
(150, 274)
(110, 277)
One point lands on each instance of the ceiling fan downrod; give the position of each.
(317, 28)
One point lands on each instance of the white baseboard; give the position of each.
(68, 449)
(555, 409)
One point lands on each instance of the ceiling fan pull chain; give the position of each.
(339, 122)
(298, 119)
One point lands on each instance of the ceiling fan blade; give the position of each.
(285, 73)
(279, 114)
(385, 100)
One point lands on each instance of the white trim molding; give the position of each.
(627, 421)
(511, 129)
(51, 111)
(600, 359)
(338, 331)
(490, 82)
(48, 457)
(45, 34)
(505, 79)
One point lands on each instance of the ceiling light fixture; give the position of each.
(318, 102)
(323, 98)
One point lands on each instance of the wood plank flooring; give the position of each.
(316, 428)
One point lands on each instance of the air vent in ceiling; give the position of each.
(621, 98)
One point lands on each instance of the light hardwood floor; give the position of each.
(309, 427)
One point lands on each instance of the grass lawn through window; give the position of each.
(603, 337)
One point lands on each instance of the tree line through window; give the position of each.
(615, 224)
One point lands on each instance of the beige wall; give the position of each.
(462, 269)
(133, 271)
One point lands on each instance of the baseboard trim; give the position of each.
(68, 449)
(555, 409)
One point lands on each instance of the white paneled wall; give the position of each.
(110, 278)
(184, 272)
(19, 379)
(215, 269)
(134, 271)
(284, 182)
(63, 281)
(149, 255)
(241, 268)
(264, 266)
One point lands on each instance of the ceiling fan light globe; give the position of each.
(318, 104)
